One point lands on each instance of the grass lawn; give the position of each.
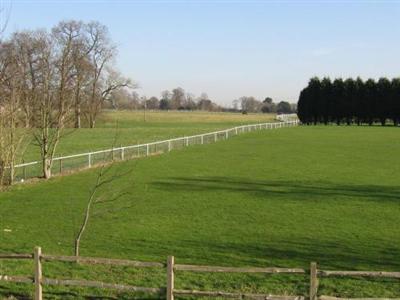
(128, 128)
(270, 198)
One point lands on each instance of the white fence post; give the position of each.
(215, 137)
(226, 134)
(122, 153)
(169, 145)
(90, 160)
(187, 141)
(202, 139)
(147, 150)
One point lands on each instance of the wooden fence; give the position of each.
(169, 292)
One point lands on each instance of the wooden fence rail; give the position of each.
(169, 292)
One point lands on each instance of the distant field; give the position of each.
(129, 128)
(271, 198)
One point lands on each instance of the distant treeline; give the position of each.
(179, 99)
(350, 101)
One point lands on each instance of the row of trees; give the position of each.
(251, 104)
(350, 101)
(177, 99)
(50, 80)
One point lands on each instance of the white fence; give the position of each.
(286, 117)
(87, 160)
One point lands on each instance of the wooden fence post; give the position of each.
(169, 146)
(170, 278)
(313, 281)
(61, 166)
(89, 160)
(38, 273)
(24, 170)
(147, 150)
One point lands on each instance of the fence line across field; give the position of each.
(90, 159)
(169, 291)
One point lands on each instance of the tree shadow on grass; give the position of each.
(333, 251)
(10, 293)
(330, 254)
(291, 190)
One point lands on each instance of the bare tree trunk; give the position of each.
(46, 163)
(87, 214)
(77, 106)
(92, 121)
(78, 116)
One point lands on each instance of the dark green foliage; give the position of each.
(164, 104)
(347, 101)
(284, 107)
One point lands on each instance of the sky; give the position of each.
(230, 49)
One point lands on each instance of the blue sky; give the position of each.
(235, 48)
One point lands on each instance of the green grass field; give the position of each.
(270, 198)
(129, 128)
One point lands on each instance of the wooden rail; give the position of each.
(39, 281)
(16, 256)
(314, 272)
(103, 261)
(360, 274)
(235, 295)
(336, 298)
(103, 285)
(195, 268)
(17, 279)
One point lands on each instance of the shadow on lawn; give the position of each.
(277, 253)
(7, 292)
(332, 252)
(292, 190)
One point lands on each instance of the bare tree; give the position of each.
(100, 55)
(10, 94)
(250, 104)
(153, 103)
(47, 80)
(83, 69)
(57, 78)
(114, 82)
(204, 103)
(103, 179)
(178, 98)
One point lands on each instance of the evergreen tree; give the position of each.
(324, 101)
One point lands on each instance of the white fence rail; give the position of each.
(286, 117)
(87, 160)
